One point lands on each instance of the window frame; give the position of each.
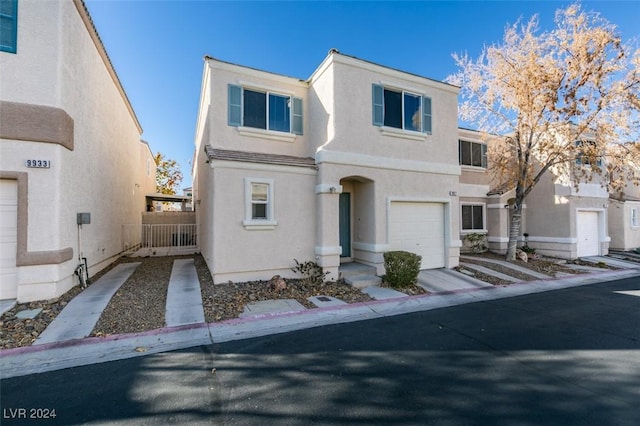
(236, 109)
(378, 109)
(579, 161)
(483, 208)
(249, 222)
(13, 48)
(483, 153)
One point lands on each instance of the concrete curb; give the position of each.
(74, 353)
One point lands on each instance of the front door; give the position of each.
(345, 224)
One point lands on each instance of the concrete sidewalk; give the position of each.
(80, 316)
(72, 353)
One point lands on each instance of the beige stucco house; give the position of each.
(624, 219)
(354, 161)
(560, 219)
(69, 143)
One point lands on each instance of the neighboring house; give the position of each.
(357, 160)
(69, 143)
(624, 219)
(559, 219)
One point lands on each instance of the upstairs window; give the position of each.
(8, 25)
(264, 110)
(472, 154)
(586, 156)
(473, 217)
(401, 109)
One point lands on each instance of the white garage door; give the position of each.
(588, 241)
(418, 228)
(8, 238)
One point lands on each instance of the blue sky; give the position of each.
(157, 46)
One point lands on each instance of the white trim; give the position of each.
(245, 165)
(497, 239)
(404, 134)
(363, 160)
(633, 217)
(473, 231)
(473, 169)
(326, 188)
(455, 244)
(393, 199)
(372, 248)
(258, 224)
(554, 240)
(328, 250)
(266, 134)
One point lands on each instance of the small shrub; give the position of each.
(310, 271)
(402, 268)
(601, 265)
(529, 250)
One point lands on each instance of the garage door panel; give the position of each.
(587, 231)
(418, 228)
(8, 238)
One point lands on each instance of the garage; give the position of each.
(419, 228)
(8, 238)
(588, 235)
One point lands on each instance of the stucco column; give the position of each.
(328, 248)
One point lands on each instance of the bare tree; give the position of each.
(168, 175)
(561, 99)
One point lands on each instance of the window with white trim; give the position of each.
(472, 217)
(259, 208)
(472, 153)
(401, 109)
(588, 154)
(634, 218)
(262, 109)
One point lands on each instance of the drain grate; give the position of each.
(323, 299)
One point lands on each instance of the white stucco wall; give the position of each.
(243, 254)
(624, 236)
(58, 64)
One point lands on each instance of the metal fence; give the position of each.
(136, 237)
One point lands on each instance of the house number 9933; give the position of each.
(40, 164)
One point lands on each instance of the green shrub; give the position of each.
(310, 271)
(402, 268)
(529, 250)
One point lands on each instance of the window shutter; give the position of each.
(8, 25)
(297, 116)
(235, 106)
(426, 114)
(378, 105)
(484, 155)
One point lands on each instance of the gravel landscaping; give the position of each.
(139, 305)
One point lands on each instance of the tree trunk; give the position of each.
(514, 231)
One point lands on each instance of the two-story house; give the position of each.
(69, 143)
(559, 218)
(354, 161)
(624, 219)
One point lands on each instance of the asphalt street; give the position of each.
(565, 357)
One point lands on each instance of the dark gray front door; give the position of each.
(345, 224)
